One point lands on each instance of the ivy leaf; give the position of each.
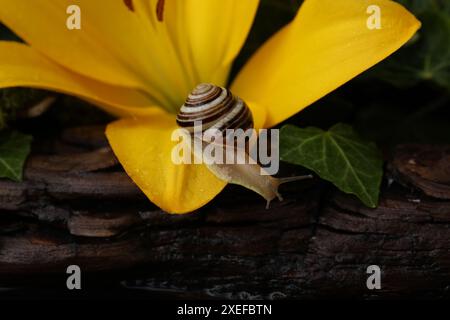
(14, 150)
(339, 156)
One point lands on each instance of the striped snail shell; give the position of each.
(216, 108)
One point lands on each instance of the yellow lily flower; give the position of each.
(138, 59)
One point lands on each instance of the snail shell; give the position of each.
(216, 108)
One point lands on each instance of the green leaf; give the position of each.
(14, 150)
(339, 156)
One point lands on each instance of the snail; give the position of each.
(216, 109)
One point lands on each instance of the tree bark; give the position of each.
(77, 206)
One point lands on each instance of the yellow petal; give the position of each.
(21, 66)
(112, 46)
(208, 35)
(326, 45)
(259, 114)
(144, 148)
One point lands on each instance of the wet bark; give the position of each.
(77, 206)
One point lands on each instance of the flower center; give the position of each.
(129, 4)
(159, 8)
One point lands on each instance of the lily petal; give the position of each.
(259, 114)
(112, 46)
(327, 44)
(144, 148)
(208, 35)
(22, 66)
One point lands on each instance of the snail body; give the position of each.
(217, 109)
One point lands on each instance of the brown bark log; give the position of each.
(81, 208)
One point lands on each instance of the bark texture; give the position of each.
(77, 206)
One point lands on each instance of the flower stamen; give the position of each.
(160, 10)
(129, 4)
